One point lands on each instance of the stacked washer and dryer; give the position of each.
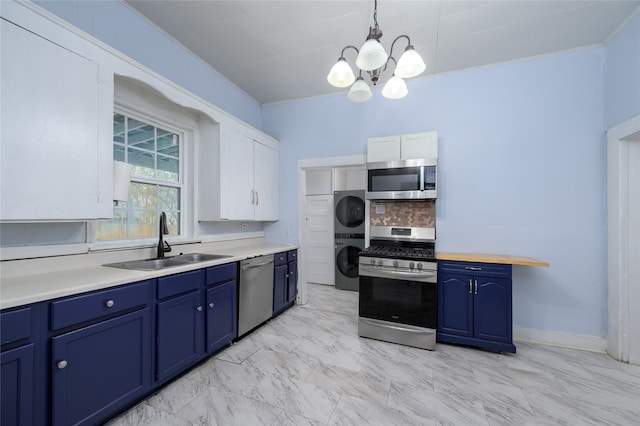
(349, 208)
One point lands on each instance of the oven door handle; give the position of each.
(384, 273)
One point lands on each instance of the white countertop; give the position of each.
(34, 287)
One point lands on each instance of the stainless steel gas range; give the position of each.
(398, 286)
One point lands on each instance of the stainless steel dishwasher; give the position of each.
(255, 295)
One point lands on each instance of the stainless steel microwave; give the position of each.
(402, 180)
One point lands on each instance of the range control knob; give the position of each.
(411, 265)
(379, 262)
(395, 263)
(373, 261)
(420, 266)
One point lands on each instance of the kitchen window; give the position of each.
(155, 151)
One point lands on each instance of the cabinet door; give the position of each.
(180, 334)
(455, 303)
(236, 175)
(50, 119)
(16, 375)
(279, 287)
(221, 315)
(266, 182)
(292, 282)
(419, 146)
(99, 369)
(492, 309)
(383, 149)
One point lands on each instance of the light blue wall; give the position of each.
(622, 74)
(118, 26)
(522, 171)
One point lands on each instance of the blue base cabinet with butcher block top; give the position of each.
(474, 305)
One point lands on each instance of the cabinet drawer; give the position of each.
(280, 258)
(15, 325)
(292, 255)
(222, 273)
(475, 268)
(87, 307)
(179, 283)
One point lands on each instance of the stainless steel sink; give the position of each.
(155, 264)
(200, 257)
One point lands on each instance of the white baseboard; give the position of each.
(557, 338)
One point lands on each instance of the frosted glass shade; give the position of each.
(410, 64)
(341, 74)
(372, 56)
(360, 91)
(395, 88)
(121, 180)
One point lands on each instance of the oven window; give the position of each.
(404, 302)
(406, 179)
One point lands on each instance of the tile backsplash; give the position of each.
(420, 214)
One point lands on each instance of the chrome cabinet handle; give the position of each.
(211, 305)
(253, 197)
(110, 303)
(257, 198)
(470, 286)
(199, 308)
(476, 281)
(472, 268)
(62, 365)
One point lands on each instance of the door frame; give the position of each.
(303, 165)
(621, 295)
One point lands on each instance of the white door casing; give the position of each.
(623, 240)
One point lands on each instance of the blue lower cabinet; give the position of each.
(17, 389)
(474, 307)
(221, 315)
(180, 334)
(285, 280)
(99, 369)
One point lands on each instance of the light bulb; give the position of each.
(395, 88)
(410, 64)
(360, 91)
(341, 74)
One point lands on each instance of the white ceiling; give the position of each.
(282, 50)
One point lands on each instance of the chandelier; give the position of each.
(373, 59)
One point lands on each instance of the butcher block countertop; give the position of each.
(491, 258)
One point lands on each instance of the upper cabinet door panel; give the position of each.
(50, 131)
(236, 175)
(419, 145)
(383, 149)
(266, 182)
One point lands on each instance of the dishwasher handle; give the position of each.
(257, 265)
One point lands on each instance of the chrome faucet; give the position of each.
(163, 246)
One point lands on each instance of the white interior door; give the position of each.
(318, 237)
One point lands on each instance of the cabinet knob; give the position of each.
(62, 364)
(199, 308)
(211, 305)
(110, 303)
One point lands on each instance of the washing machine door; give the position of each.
(349, 212)
(347, 263)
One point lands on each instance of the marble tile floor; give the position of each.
(309, 367)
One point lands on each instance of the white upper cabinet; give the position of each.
(404, 147)
(248, 175)
(383, 149)
(51, 106)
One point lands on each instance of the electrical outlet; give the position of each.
(244, 225)
(287, 231)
